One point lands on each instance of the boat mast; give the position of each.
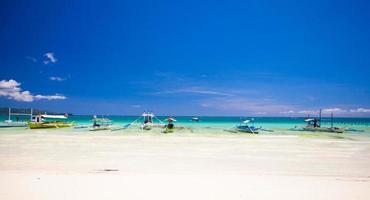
(320, 119)
(10, 110)
(331, 120)
(31, 114)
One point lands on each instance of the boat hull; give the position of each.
(323, 129)
(247, 129)
(100, 128)
(146, 127)
(168, 130)
(46, 125)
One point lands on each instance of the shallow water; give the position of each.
(359, 127)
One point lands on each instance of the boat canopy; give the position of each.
(147, 114)
(246, 121)
(101, 120)
(309, 120)
(54, 116)
(171, 119)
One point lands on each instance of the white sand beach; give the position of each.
(58, 165)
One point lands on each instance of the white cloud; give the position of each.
(50, 58)
(11, 84)
(360, 110)
(57, 78)
(50, 97)
(12, 90)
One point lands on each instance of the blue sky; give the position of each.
(260, 58)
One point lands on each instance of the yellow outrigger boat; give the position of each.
(39, 123)
(34, 125)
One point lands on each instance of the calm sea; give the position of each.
(228, 122)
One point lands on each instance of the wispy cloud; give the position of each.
(57, 78)
(287, 112)
(315, 111)
(11, 89)
(50, 58)
(244, 105)
(338, 111)
(360, 110)
(272, 107)
(195, 91)
(334, 110)
(136, 106)
(33, 59)
(50, 97)
(307, 112)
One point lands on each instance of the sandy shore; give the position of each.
(59, 165)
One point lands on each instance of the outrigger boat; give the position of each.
(314, 125)
(41, 122)
(169, 128)
(195, 119)
(10, 123)
(147, 122)
(246, 128)
(100, 124)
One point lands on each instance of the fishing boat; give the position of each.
(100, 124)
(49, 121)
(10, 123)
(195, 119)
(169, 128)
(148, 121)
(314, 125)
(245, 127)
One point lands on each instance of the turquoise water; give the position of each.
(273, 123)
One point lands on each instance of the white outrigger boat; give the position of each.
(148, 121)
(245, 127)
(100, 124)
(195, 119)
(10, 123)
